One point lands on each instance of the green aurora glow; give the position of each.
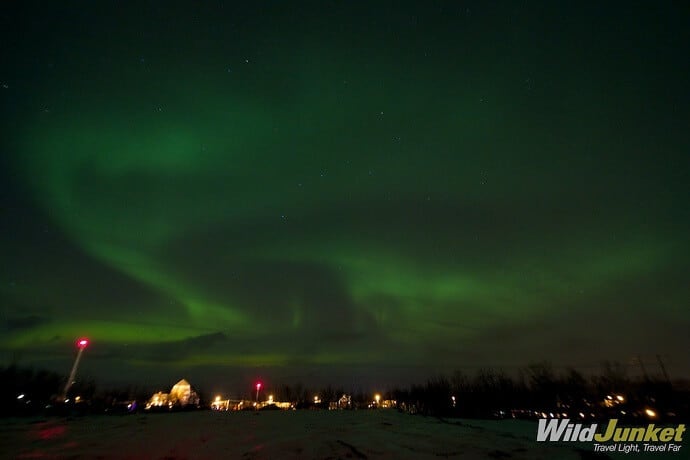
(394, 189)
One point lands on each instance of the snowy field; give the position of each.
(384, 434)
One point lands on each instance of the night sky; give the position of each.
(351, 192)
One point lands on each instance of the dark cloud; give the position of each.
(176, 350)
(311, 298)
(43, 269)
(24, 322)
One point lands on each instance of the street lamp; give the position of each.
(81, 345)
(258, 387)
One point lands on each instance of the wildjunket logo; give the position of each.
(555, 430)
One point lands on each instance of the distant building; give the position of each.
(345, 402)
(180, 395)
(159, 399)
(220, 404)
(389, 403)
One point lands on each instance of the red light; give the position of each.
(258, 386)
(82, 343)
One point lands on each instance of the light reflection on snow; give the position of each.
(278, 434)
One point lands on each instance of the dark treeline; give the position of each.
(303, 397)
(537, 391)
(28, 391)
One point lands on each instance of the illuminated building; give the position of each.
(180, 395)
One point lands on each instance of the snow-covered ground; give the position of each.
(383, 434)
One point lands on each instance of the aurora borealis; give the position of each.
(344, 190)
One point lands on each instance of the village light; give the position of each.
(82, 343)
